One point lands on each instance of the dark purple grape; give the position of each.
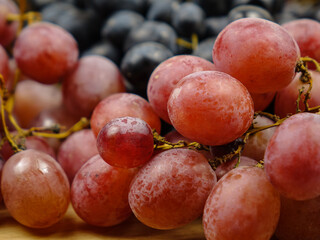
(117, 27)
(189, 19)
(152, 31)
(162, 10)
(104, 49)
(273, 6)
(214, 25)
(249, 11)
(204, 49)
(139, 62)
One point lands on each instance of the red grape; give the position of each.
(306, 32)
(170, 190)
(226, 167)
(210, 107)
(78, 148)
(256, 145)
(93, 79)
(166, 76)
(243, 205)
(32, 97)
(31, 142)
(262, 100)
(259, 53)
(285, 102)
(125, 142)
(292, 157)
(99, 192)
(45, 52)
(35, 189)
(8, 29)
(123, 105)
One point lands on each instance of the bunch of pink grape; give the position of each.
(120, 166)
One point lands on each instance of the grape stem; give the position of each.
(189, 45)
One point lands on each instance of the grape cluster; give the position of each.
(81, 121)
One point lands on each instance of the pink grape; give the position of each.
(31, 142)
(125, 142)
(170, 190)
(8, 29)
(31, 98)
(262, 100)
(122, 105)
(285, 102)
(35, 189)
(166, 76)
(99, 193)
(226, 167)
(77, 149)
(257, 143)
(93, 79)
(306, 32)
(257, 52)
(243, 205)
(45, 52)
(210, 107)
(299, 219)
(292, 157)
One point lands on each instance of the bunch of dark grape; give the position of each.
(167, 110)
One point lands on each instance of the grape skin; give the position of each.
(292, 157)
(210, 107)
(243, 205)
(45, 52)
(259, 53)
(35, 189)
(171, 189)
(125, 142)
(99, 192)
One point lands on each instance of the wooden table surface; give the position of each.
(72, 227)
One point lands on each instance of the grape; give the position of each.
(259, 53)
(93, 79)
(78, 148)
(226, 167)
(125, 142)
(35, 189)
(256, 145)
(210, 107)
(306, 32)
(1, 166)
(262, 100)
(285, 102)
(243, 205)
(4, 66)
(8, 29)
(32, 97)
(122, 105)
(166, 76)
(99, 192)
(30, 142)
(299, 219)
(170, 190)
(45, 52)
(292, 157)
